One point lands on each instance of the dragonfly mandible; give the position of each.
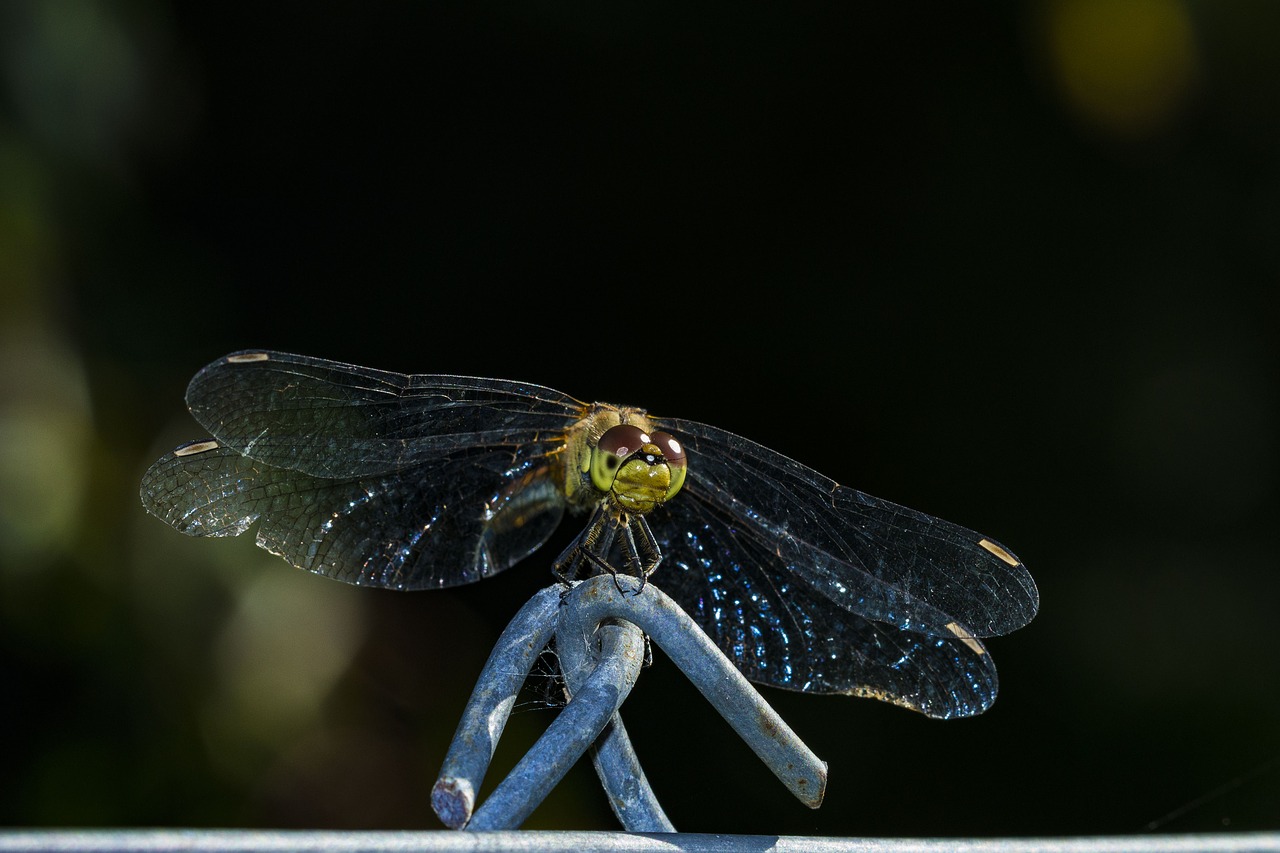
(416, 482)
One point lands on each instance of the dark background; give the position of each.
(1011, 264)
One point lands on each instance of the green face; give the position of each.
(639, 469)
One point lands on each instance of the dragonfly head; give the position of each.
(640, 470)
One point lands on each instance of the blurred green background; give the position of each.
(1013, 264)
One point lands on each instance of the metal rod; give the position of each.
(257, 841)
(630, 795)
(454, 795)
(601, 663)
(569, 735)
(715, 676)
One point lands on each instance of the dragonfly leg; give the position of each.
(648, 545)
(594, 549)
(565, 567)
(630, 555)
(591, 546)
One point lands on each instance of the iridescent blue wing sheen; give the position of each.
(813, 586)
(863, 554)
(375, 478)
(783, 631)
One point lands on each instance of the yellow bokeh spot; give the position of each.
(1127, 66)
(45, 445)
(284, 649)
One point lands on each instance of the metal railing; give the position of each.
(443, 841)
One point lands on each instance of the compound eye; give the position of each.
(673, 453)
(617, 443)
(671, 449)
(622, 440)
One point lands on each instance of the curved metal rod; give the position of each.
(632, 799)
(715, 676)
(569, 735)
(630, 795)
(598, 627)
(454, 795)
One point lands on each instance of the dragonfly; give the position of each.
(413, 482)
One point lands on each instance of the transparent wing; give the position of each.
(864, 555)
(783, 631)
(449, 520)
(366, 476)
(335, 420)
